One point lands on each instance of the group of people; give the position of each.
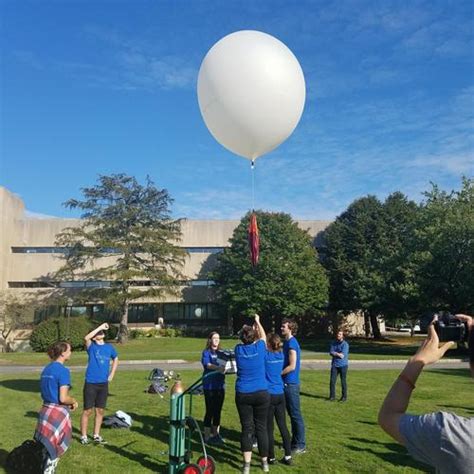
(267, 386)
(53, 429)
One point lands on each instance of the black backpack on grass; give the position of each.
(28, 458)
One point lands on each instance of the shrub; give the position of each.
(136, 334)
(51, 330)
(164, 332)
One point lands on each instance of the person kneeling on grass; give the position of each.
(54, 429)
(442, 440)
(96, 387)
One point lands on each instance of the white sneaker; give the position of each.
(84, 440)
(99, 440)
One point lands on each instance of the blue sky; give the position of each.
(100, 87)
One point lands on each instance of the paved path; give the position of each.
(308, 364)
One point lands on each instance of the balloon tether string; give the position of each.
(252, 167)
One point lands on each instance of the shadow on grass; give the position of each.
(3, 456)
(138, 457)
(396, 455)
(312, 395)
(373, 423)
(157, 427)
(21, 385)
(457, 372)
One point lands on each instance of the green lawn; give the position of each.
(341, 437)
(189, 348)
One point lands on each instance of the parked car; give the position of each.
(407, 328)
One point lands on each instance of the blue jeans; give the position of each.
(342, 371)
(292, 397)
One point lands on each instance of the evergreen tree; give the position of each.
(127, 239)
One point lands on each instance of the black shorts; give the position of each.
(95, 395)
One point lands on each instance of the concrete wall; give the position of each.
(20, 230)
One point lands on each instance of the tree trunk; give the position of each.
(366, 324)
(375, 326)
(123, 329)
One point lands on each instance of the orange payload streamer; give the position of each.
(254, 240)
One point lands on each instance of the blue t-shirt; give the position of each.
(273, 367)
(250, 360)
(292, 377)
(54, 376)
(343, 347)
(215, 381)
(99, 362)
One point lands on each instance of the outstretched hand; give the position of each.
(430, 351)
(469, 320)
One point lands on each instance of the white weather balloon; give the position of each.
(251, 92)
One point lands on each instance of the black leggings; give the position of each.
(253, 411)
(214, 401)
(277, 409)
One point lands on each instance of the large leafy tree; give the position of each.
(399, 295)
(351, 256)
(444, 251)
(288, 279)
(126, 236)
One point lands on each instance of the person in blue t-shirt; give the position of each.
(55, 379)
(339, 351)
(55, 383)
(291, 380)
(214, 390)
(273, 368)
(251, 393)
(98, 376)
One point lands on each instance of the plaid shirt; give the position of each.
(54, 429)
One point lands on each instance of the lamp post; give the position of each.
(68, 320)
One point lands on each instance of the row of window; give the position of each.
(106, 250)
(175, 313)
(97, 284)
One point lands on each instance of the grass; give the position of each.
(342, 438)
(190, 348)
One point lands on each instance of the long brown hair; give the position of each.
(57, 348)
(247, 334)
(274, 342)
(209, 340)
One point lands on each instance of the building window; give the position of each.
(107, 250)
(32, 284)
(200, 283)
(204, 249)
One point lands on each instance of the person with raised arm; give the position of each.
(99, 373)
(251, 393)
(442, 440)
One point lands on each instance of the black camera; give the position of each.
(449, 328)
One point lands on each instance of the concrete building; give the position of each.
(28, 256)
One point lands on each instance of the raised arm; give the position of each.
(469, 320)
(397, 399)
(88, 337)
(259, 328)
